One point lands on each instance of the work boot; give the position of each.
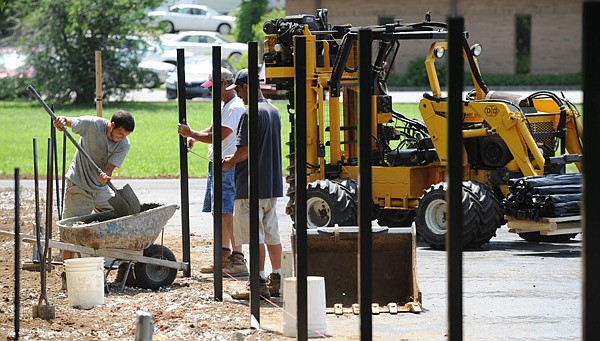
(237, 265)
(244, 295)
(273, 284)
(210, 268)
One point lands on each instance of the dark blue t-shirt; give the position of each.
(269, 155)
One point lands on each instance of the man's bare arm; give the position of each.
(240, 155)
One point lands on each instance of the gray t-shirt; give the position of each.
(269, 155)
(102, 150)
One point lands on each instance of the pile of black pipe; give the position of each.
(536, 197)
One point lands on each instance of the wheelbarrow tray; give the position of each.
(108, 231)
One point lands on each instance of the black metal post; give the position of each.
(591, 183)
(56, 180)
(253, 168)
(46, 259)
(217, 189)
(300, 177)
(183, 164)
(38, 214)
(365, 248)
(17, 316)
(64, 165)
(454, 222)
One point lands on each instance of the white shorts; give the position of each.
(267, 217)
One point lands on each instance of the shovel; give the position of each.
(125, 202)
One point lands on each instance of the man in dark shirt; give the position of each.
(270, 186)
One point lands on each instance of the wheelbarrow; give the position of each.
(128, 238)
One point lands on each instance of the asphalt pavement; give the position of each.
(159, 95)
(512, 289)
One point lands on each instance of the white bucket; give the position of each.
(315, 308)
(85, 281)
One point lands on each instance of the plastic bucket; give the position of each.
(85, 281)
(316, 313)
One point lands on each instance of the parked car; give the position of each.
(191, 17)
(201, 42)
(226, 6)
(197, 69)
(154, 73)
(13, 64)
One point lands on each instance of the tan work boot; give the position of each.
(210, 268)
(273, 284)
(245, 294)
(237, 265)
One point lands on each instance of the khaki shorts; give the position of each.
(267, 217)
(79, 202)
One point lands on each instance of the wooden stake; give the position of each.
(99, 83)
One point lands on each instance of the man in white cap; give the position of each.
(233, 260)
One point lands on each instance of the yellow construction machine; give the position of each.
(506, 136)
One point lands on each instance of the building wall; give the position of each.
(555, 28)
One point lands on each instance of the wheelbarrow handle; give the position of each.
(81, 150)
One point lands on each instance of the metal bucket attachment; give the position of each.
(332, 254)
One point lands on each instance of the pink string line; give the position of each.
(280, 308)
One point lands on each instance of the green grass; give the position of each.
(154, 143)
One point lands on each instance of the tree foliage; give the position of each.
(250, 13)
(62, 37)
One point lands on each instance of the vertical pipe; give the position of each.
(38, 215)
(217, 189)
(253, 137)
(64, 165)
(454, 195)
(17, 316)
(365, 248)
(591, 183)
(300, 177)
(55, 153)
(183, 164)
(45, 258)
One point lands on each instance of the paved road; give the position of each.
(147, 95)
(513, 290)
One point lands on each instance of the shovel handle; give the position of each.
(81, 150)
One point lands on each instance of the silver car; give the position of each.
(191, 17)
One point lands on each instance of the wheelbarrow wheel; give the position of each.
(150, 276)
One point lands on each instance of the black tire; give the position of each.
(536, 237)
(150, 80)
(492, 214)
(396, 218)
(430, 217)
(328, 204)
(224, 29)
(171, 94)
(167, 26)
(151, 276)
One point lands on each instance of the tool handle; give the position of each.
(81, 150)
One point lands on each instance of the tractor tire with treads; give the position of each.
(431, 214)
(328, 204)
(492, 214)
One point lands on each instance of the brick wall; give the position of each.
(555, 32)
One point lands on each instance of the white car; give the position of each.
(201, 43)
(197, 69)
(191, 17)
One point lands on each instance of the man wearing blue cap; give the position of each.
(270, 186)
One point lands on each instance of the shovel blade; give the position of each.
(125, 202)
